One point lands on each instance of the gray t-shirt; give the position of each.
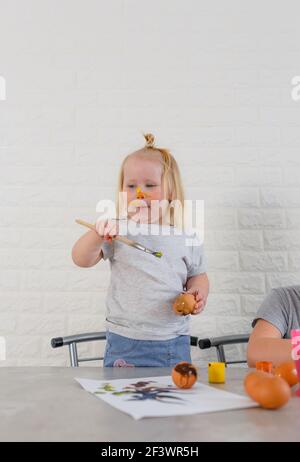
(143, 287)
(281, 308)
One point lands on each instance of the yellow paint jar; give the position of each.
(216, 372)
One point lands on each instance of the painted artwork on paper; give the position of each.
(158, 397)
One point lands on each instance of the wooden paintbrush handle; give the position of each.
(91, 226)
(86, 224)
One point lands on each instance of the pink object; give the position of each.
(122, 363)
(296, 352)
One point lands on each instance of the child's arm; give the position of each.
(266, 344)
(199, 286)
(87, 250)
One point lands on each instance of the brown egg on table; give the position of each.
(184, 304)
(268, 390)
(288, 372)
(184, 375)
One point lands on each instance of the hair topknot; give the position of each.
(149, 140)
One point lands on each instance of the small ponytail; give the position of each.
(149, 140)
(165, 153)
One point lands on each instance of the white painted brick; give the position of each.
(203, 325)
(31, 302)
(238, 240)
(87, 279)
(250, 304)
(78, 196)
(280, 197)
(58, 259)
(211, 155)
(257, 136)
(277, 77)
(14, 176)
(258, 96)
(261, 218)
(281, 279)
(263, 261)
(21, 259)
(294, 261)
(281, 240)
(10, 303)
(9, 238)
(290, 136)
(279, 116)
(223, 260)
(270, 156)
(10, 280)
(46, 238)
(252, 176)
(293, 218)
(209, 240)
(42, 325)
(237, 324)
(291, 176)
(67, 302)
(8, 324)
(31, 156)
(40, 280)
(237, 198)
(241, 283)
(220, 219)
(205, 176)
(18, 346)
(223, 304)
(83, 323)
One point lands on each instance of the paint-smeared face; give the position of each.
(146, 175)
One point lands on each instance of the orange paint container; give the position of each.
(265, 366)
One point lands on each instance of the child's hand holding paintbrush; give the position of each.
(109, 229)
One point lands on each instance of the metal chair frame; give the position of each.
(205, 343)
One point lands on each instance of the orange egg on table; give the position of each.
(184, 304)
(288, 372)
(268, 390)
(184, 375)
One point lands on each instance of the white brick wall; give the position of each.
(212, 81)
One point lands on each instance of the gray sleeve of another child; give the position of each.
(274, 309)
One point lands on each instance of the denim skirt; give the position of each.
(122, 351)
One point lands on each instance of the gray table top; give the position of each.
(47, 404)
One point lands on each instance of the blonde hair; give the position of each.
(171, 178)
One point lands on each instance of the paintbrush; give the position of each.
(123, 239)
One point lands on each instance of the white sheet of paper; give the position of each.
(174, 402)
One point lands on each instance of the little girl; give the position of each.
(142, 327)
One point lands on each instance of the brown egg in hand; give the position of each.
(184, 375)
(184, 304)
